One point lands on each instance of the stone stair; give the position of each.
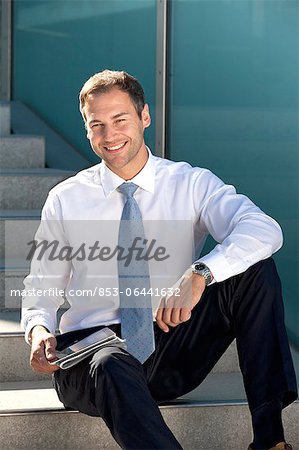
(213, 417)
(24, 186)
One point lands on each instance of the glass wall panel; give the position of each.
(59, 44)
(233, 91)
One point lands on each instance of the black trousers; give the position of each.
(112, 384)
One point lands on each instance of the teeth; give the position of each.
(116, 147)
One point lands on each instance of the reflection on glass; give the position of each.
(59, 44)
(234, 108)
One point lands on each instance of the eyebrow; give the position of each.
(116, 116)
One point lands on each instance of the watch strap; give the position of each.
(200, 268)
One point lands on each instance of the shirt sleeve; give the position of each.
(244, 233)
(49, 273)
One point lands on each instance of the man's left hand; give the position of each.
(176, 309)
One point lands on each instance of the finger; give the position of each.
(158, 314)
(171, 317)
(171, 312)
(159, 317)
(38, 354)
(43, 366)
(175, 317)
(185, 314)
(166, 316)
(39, 362)
(50, 349)
(160, 321)
(162, 325)
(176, 312)
(49, 368)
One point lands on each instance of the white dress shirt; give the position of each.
(170, 192)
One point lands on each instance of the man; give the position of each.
(232, 292)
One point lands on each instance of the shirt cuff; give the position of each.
(34, 321)
(218, 266)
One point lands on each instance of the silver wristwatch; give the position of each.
(203, 270)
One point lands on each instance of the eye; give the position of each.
(120, 120)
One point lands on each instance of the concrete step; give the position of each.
(22, 152)
(19, 226)
(213, 416)
(4, 119)
(33, 412)
(28, 189)
(19, 214)
(15, 238)
(11, 285)
(59, 153)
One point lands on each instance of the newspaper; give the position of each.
(69, 358)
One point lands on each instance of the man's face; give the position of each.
(115, 131)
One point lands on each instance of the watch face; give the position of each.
(199, 266)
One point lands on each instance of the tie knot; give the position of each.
(128, 189)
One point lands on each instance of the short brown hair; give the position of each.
(108, 79)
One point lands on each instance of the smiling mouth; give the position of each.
(115, 148)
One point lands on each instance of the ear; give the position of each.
(145, 116)
(87, 130)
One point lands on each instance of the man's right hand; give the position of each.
(43, 345)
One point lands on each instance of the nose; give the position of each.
(109, 133)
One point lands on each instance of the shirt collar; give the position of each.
(144, 179)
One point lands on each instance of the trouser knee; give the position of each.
(114, 363)
(261, 281)
(104, 363)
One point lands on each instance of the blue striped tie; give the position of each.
(135, 310)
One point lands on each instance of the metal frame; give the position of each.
(161, 74)
(5, 69)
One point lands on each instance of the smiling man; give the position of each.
(232, 292)
(115, 131)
